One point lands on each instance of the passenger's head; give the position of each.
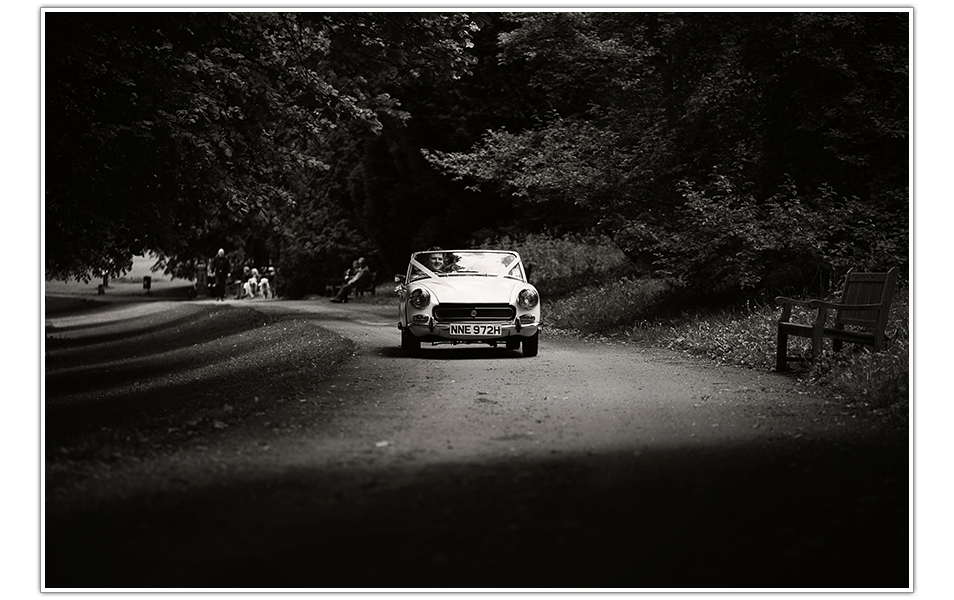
(221, 252)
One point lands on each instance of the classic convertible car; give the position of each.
(468, 297)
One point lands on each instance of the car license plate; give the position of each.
(475, 330)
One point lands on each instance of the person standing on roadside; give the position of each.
(220, 270)
(272, 276)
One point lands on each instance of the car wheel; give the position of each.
(513, 343)
(410, 343)
(531, 345)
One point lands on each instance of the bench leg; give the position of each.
(816, 344)
(781, 352)
(818, 332)
(836, 345)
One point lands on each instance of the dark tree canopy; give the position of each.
(694, 134)
(182, 132)
(726, 150)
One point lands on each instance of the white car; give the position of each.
(468, 297)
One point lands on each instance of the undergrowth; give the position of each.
(563, 264)
(650, 312)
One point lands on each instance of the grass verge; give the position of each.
(648, 312)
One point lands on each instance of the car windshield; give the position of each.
(462, 263)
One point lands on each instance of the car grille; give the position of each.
(473, 312)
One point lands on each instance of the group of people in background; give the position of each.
(254, 283)
(249, 281)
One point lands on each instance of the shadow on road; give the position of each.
(786, 512)
(461, 352)
(791, 516)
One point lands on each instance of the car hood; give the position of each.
(472, 289)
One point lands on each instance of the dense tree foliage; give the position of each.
(182, 132)
(730, 151)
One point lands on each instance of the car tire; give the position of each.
(410, 343)
(531, 345)
(513, 343)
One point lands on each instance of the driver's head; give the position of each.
(435, 261)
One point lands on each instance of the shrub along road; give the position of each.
(291, 444)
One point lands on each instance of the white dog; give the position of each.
(256, 285)
(251, 286)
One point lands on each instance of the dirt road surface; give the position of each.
(292, 445)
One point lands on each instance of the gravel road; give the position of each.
(264, 445)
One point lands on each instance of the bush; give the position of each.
(609, 308)
(726, 241)
(875, 379)
(561, 264)
(742, 336)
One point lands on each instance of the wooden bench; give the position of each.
(333, 285)
(367, 285)
(860, 316)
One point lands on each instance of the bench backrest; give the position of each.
(867, 288)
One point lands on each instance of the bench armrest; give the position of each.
(784, 301)
(820, 305)
(787, 304)
(838, 306)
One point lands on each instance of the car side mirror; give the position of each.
(399, 278)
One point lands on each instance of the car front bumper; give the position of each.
(441, 332)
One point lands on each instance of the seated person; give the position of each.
(435, 262)
(441, 262)
(363, 274)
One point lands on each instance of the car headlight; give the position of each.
(419, 298)
(527, 298)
